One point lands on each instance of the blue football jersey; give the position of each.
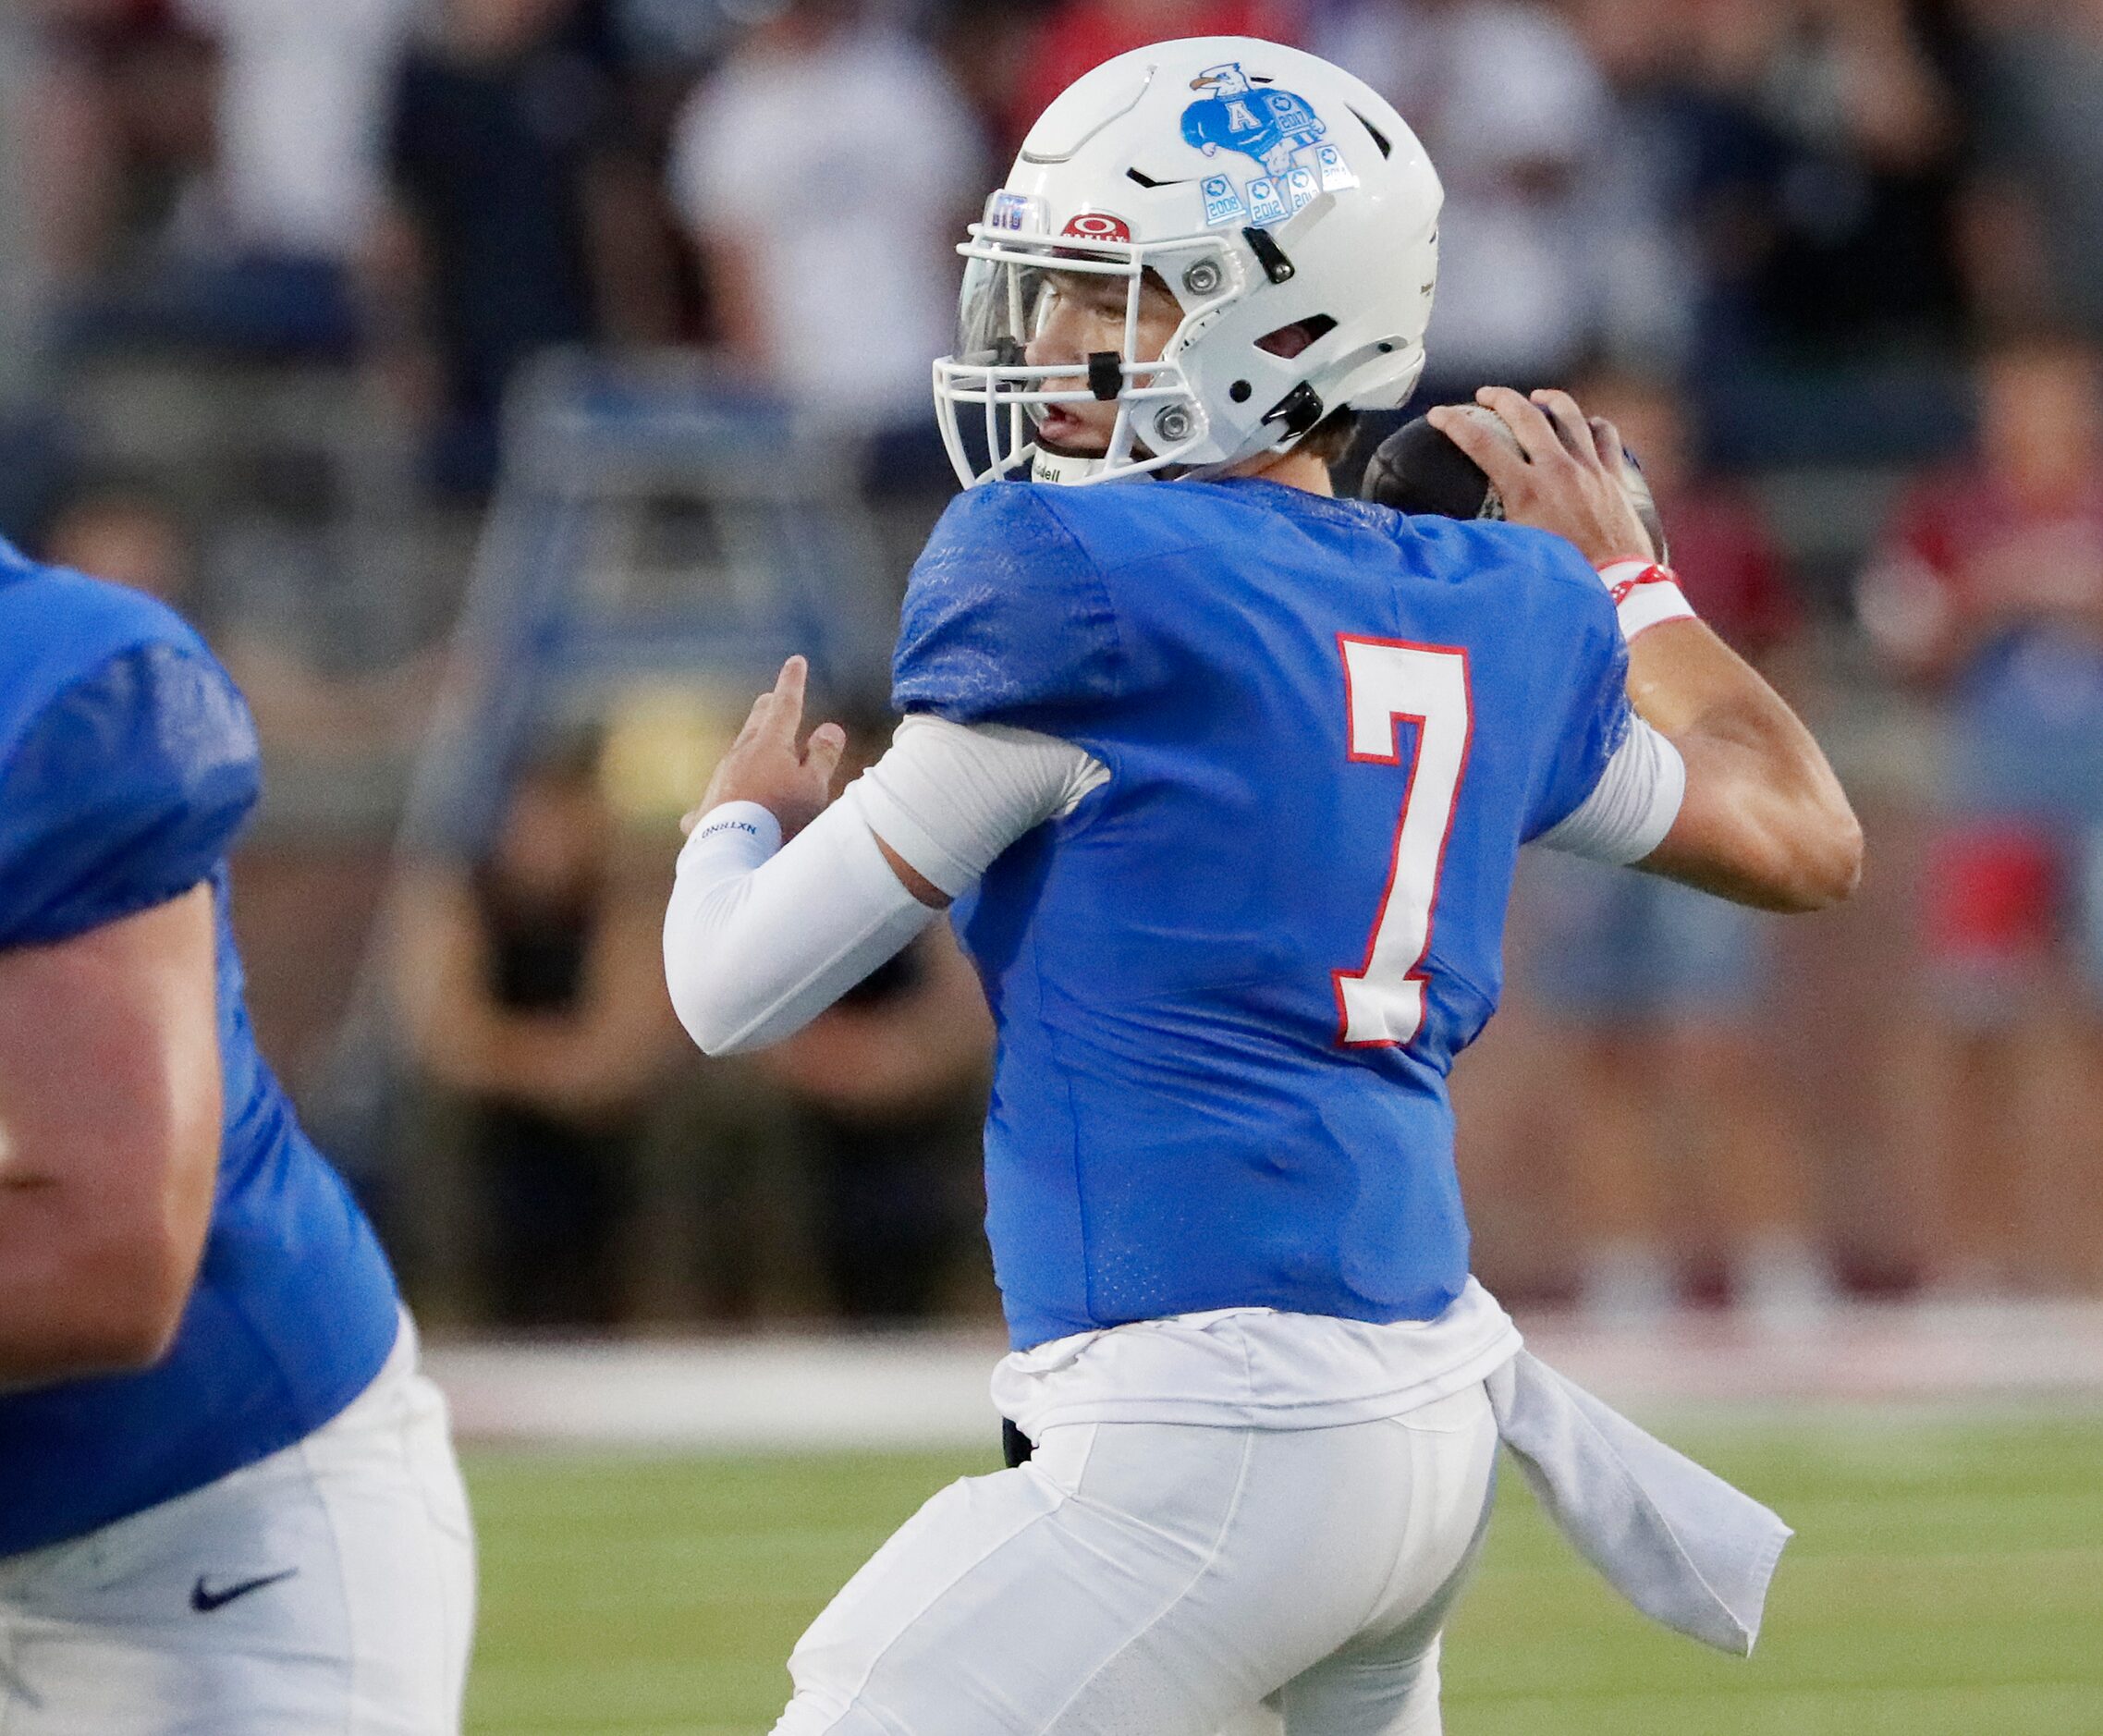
(128, 763)
(1229, 986)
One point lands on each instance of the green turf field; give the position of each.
(1947, 1580)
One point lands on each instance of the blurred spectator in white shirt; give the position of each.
(301, 96)
(1545, 254)
(825, 172)
(252, 128)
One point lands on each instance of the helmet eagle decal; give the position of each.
(1271, 126)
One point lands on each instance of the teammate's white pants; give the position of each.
(1155, 1579)
(356, 1542)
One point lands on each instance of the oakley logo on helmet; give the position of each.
(1098, 225)
(1271, 126)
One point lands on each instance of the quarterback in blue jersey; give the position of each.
(228, 1501)
(1223, 781)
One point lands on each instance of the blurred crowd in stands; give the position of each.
(269, 270)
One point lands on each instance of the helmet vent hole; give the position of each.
(1144, 179)
(1379, 138)
(1290, 340)
(1239, 391)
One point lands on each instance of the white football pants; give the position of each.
(1155, 1579)
(329, 1587)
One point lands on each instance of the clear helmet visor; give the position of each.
(1010, 305)
(997, 312)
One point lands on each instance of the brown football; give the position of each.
(1417, 469)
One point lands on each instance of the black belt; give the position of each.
(1015, 1445)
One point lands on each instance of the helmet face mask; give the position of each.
(1144, 178)
(1012, 287)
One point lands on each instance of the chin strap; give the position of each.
(1062, 467)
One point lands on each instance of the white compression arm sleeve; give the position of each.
(1631, 807)
(759, 939)
(950, 797)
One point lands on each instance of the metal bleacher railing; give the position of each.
(553, 619)
(559, 616)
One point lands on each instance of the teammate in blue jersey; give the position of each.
(1224, 780)
(228, 1502)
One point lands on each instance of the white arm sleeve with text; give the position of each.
(759, 938)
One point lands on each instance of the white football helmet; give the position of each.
(1266, 189)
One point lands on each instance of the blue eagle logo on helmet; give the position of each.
(1270, 125)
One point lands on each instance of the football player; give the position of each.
(1223, 780)
(228, 1501)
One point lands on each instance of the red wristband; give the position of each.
(1645, 595)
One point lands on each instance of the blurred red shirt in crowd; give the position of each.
(1078, 38)
(1730, 569)
(1991, 586)
(2010, 540)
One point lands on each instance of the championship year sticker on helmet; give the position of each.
(1222, 203)
(1266, 204)
(1336, 172)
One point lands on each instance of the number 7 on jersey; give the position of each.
(1389, 682)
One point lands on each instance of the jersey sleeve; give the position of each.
(1007, 618)
(122, 793)
(1590, 714)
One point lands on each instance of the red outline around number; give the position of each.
(1416, 973)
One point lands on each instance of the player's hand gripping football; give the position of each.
(1566, 475)
(765, 764)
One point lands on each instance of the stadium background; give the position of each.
(504, 384)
